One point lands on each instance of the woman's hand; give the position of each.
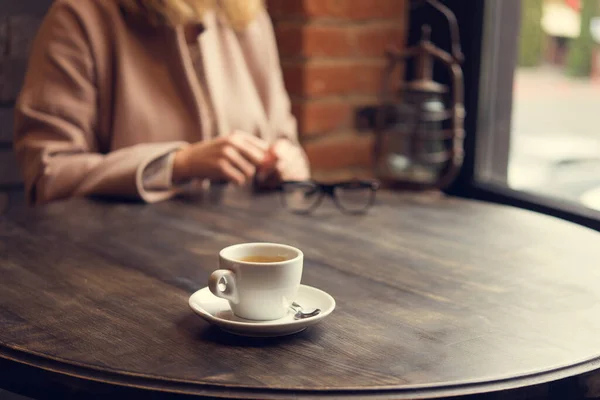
(284, 162)
(234, 158)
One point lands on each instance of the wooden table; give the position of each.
(436, 297)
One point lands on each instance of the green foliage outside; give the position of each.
(531, 44)
(579, 61)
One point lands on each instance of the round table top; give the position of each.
(435, 297)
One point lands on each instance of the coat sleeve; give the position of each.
(56, 123)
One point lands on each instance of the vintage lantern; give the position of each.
(419, 128)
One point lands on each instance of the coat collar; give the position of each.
(208, 39)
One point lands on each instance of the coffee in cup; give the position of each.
(260, 280)
(263, 259)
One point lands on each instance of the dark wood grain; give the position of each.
(435, 297)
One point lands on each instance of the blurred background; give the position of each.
(555, 138)
(332, 56)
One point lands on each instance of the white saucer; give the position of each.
(217, 311)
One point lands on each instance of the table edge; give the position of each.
(115, 380)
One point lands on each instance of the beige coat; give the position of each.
(106, 93)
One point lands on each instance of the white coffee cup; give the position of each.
(260, 280)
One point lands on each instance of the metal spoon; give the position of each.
(301, 313)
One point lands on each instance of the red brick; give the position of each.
(293, 75)
(314, 41)
(338, 9)
(373, 9)
(338, 41)
(320, 41)
(340, 152)
(326, 79)
(322, 117)
(290, 40)
(285, 8)
(373, 42)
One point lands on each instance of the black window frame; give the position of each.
(489, 37)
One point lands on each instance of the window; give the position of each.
(533, 102)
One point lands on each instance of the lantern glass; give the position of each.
(412, 145)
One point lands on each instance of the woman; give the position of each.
(136, 98)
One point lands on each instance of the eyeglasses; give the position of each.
(352, 197)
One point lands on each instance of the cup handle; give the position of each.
(222, 284)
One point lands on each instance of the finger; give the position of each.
(251, 147)
(253, 140)
(270, 159)
(239, 161)
(291, 171)
(253, 154)
(232, 173)
(268, 165)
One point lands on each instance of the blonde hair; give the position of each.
(239, 13)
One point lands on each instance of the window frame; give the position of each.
(490, 58)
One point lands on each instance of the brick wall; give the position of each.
(332, 58)
(19, 21)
